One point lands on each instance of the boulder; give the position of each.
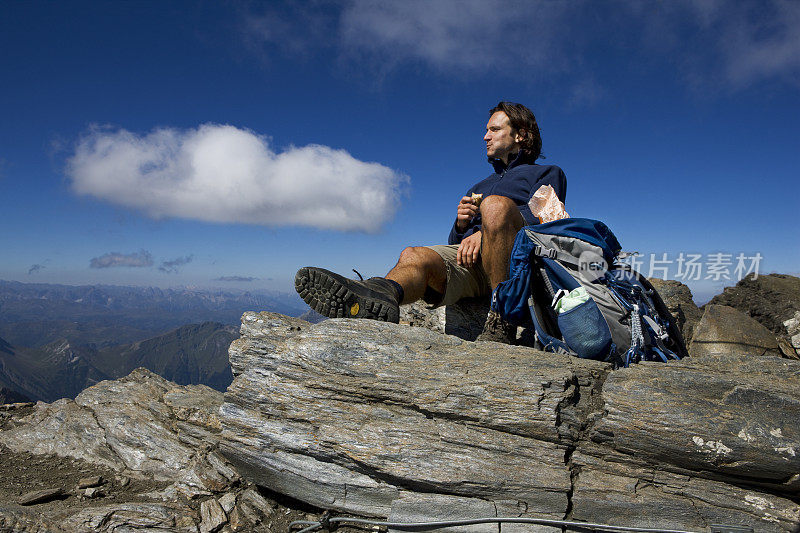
(341, 434)
(386, 420)
(156, 440)
(724, 330)
(772, 300)
(679, 301)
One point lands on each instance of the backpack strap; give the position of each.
(550, 253)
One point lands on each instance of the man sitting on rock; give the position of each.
(476, 259)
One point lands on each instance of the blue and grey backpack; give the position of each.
(566, 276)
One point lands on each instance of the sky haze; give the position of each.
(227, 144)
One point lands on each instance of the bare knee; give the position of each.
(418, 257)
(500, 212)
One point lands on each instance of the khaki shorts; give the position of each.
(462, 282)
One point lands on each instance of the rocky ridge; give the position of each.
(154, 446)
(385, 420)
(408, 423)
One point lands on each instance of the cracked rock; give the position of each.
(212, 516)
(339, 413)
(141, 427)
(383, 420)
(227, 501)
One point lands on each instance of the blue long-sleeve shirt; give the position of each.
(518, 181)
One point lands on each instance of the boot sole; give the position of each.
(335, 296)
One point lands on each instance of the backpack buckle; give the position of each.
(541, 251)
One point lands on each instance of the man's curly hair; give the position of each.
(523, 122)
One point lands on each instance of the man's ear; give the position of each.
(520, 135)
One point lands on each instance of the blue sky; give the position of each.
(228, 144)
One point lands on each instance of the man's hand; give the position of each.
(466, 211)
(469, 250)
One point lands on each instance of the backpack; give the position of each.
(612, 313)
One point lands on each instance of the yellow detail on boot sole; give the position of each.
(354, 309)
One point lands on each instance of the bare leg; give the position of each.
(417, 269)
(501, 222)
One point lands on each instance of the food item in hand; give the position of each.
(476, 199)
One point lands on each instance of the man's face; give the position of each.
(501, 140)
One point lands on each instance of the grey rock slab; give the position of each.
(196, 404)
(318, 483)
(64, 429)
(212, 516)
(40, 496)
(736, 418)
(142, 425)
(22, 520)
(227, 501)
(725, 330)
(521, 509)
(132, 412)
(132, 517)
(613, 490)
(345, 413)
(416, 507)
(512, 389)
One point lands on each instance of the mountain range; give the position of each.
(36, 314)
(190, 354)
(56, 340)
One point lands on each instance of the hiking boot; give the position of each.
(335, 296)
(498, 330)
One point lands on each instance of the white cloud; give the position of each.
(219, 173)
(763, 46)
(480, 35)
(116, 259)
(731, 45)
(236, 278)
(171, 267)
(710, 43)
